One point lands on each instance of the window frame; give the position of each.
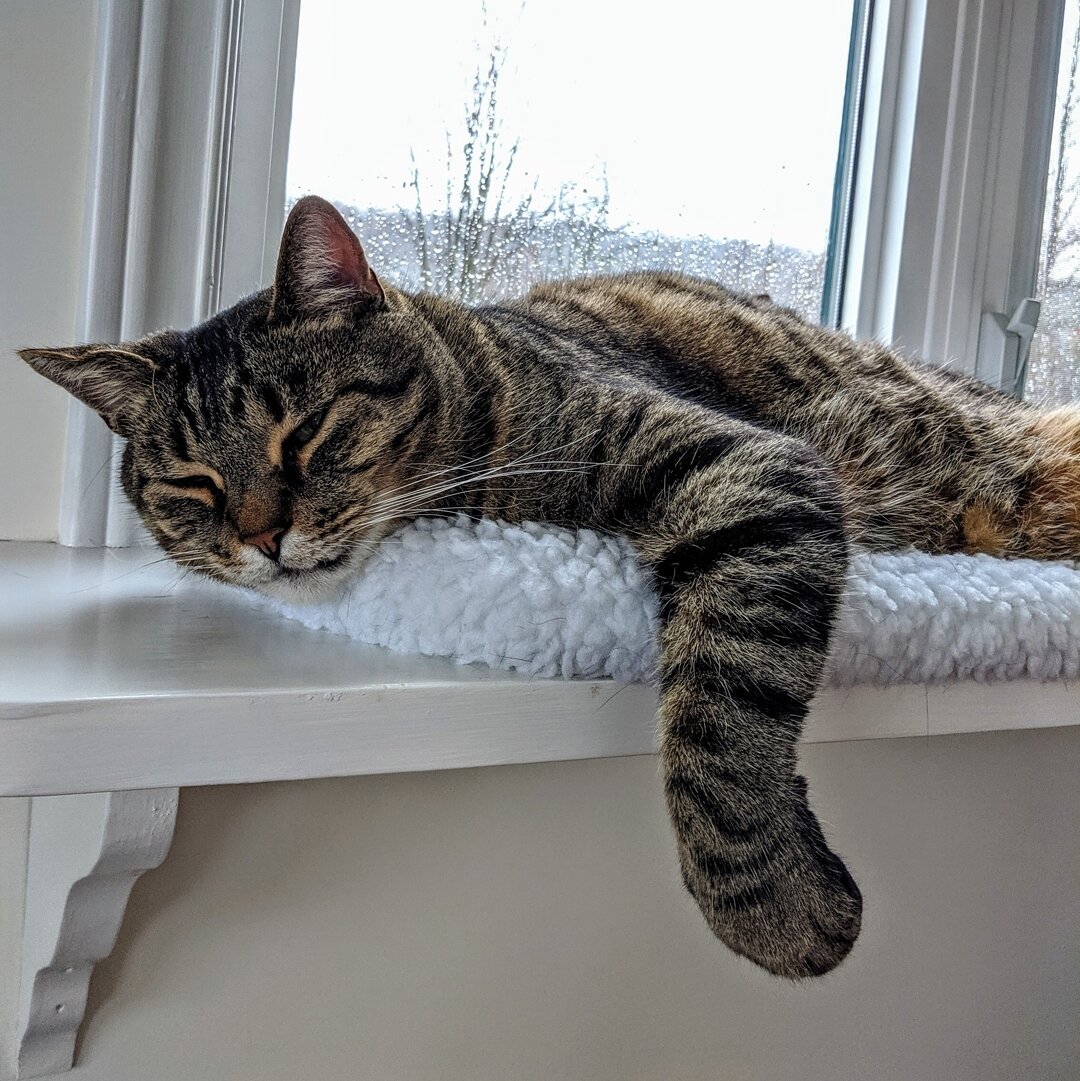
(946, 210)
(851, 127)
(953, 138)
(190, 115)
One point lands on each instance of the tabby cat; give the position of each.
(741, 449)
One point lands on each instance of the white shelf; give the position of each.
(115, 675)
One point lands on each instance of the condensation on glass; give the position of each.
(1053, 375)
(477, 148)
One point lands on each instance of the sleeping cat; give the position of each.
(740, 449)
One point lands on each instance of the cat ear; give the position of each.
(321, 266)
(114, 380)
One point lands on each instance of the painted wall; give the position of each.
(526, 924)
(46, 61)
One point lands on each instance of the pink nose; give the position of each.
(268, 542)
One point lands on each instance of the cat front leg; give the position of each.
(744, 534)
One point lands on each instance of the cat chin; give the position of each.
(309, 587)
(300, 591)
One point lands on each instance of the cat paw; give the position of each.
(797, 915)
(802, 925)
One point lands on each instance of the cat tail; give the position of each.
(744, 534)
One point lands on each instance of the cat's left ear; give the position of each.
(322, 268)
(114, 380)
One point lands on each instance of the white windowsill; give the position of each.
(115, 677)
(119, 685)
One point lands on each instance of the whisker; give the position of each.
(97, 473)
(119, 577)
(434, 490)
(533, 458)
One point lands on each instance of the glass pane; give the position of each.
(478, 148)
(1053, 376)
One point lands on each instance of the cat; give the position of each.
(741, 449)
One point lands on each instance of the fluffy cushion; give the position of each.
(551, 602)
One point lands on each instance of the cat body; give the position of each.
(739, 448)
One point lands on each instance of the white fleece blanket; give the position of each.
(551, 602)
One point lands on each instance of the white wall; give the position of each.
(46, 60)
(526, 924)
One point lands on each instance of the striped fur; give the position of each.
(741, 449)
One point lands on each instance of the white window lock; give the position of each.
(1004, 345)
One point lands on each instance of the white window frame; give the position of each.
(185, 196)
(951, 177)
(946, 190)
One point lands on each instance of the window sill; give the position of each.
(121, 683)
(116, 676)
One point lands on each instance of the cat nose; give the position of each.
(268, 542)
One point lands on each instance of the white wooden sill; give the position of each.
(115, 674)
(121, 682)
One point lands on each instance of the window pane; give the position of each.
(1053, 375)
(478, 148)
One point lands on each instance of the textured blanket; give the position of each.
(552, 602)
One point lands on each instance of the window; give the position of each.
(477, 148)
(1053, 370)
(703, 138)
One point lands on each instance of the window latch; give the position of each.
(1004, 345)
(1023, 323)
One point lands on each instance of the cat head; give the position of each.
(271, 446)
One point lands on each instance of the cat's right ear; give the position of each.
(113, 380)
(322, 269)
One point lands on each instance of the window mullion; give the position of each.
(948, 200)
(879, 195)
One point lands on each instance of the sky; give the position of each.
(713, 118)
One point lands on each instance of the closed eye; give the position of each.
(194, 480)
(197, 486)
